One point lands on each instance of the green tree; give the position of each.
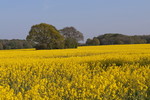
(93, 41)
(137, 40)
(27, 44)
(15, 44)
(46, 36)
(88, 41)
(71, 43)
(1, 46)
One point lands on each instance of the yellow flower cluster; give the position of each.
(117, 72)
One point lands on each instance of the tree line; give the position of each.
(15, 44)
(115, 38)
(46, 36)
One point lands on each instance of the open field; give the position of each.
(117, 72)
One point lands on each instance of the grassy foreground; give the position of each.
(116, 72)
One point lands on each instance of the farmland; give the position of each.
(114, 72)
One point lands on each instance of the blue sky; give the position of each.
(91, 17)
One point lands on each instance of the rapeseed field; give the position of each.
(115, 72)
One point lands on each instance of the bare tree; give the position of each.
(71, 32)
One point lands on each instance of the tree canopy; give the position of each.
(111, 38)
(15, 44)
(94, 41)
(45, 35)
